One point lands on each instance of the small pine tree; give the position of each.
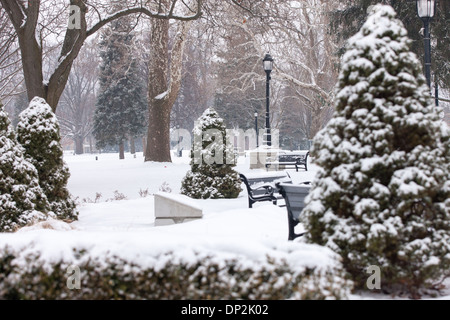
(38, 132)
(121, 108)
(212, 175)
(382, 194)
(22, 201)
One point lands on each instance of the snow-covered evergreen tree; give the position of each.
(382, 194)
(38, 132)
(121, 106)
(22, 201)
(212, 175)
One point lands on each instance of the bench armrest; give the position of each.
(270, 188)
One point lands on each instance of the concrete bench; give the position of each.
(175, 208)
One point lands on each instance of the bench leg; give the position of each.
(291, 230)
(292, 234)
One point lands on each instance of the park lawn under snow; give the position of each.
(125, 228)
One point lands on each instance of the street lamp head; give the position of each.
(426, 8)
(268, 63)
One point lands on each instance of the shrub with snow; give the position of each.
(382, 195)
(38, 132)
(185, 274)
(212, 175)
(22, 201)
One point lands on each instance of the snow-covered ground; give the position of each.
(228, 227)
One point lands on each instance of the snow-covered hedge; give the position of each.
(27, 273)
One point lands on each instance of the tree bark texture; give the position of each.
(164, 86)
(122, 150)
(132, 146)
(79, 149)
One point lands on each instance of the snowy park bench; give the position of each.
(175, 208)
(294, 195)
(285, 159)
(262, 188)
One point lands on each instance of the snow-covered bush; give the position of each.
(382, 195)
(38, 132)
(212, 175)
(169, 276)
(22, 201)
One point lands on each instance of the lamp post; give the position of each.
(425, 11)
(256, 129)
(268, 66)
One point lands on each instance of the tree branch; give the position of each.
(325, 95)
(15, 11)
(148, 13)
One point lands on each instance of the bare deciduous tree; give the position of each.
(34, 21)
(198, 84)
(10, 69)
(77, 104)
(296, 34)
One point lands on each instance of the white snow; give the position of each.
(162, 95)
(126, 228)
(181, 199)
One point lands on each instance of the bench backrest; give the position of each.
(294, 196)
(255, 182)
(299, 158)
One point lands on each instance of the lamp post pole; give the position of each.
(427, 44)
(268, 66)
(256, 129)
(436, 91)
(268, 133)
(426, 10)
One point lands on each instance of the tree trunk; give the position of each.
(91, 145)
(158, 142)
(30, 49)
(79, 145)
(165, 83)
(132, 146)
(122, 150)
(144, 145)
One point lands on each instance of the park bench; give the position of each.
(262, 188)
(294, 196)
(286, 159)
